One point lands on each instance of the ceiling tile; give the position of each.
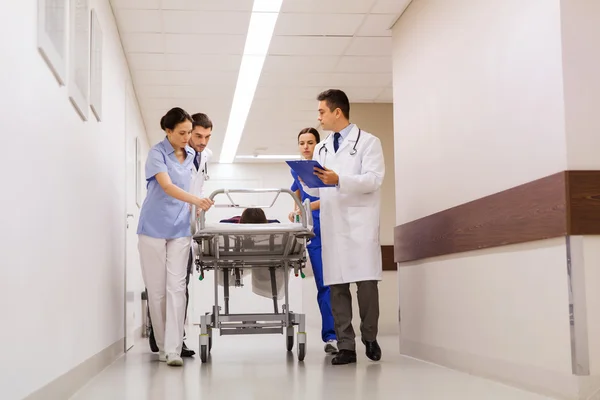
(213, 92)
(284, 104)
(136, 4)
(355, 94)
(204, 44)
(363, 93)
(146, 61)
(377, 25)
(207, 22)
(390, 6)
(370, 46)
(139, 21)
(386, 96)
(346, 80)
(275, 63)
(308, 46)
(202, 62)
(374, 64)
(143, 42)
(207, 5)
(326, 6)
(289, 79)
(318, 24)
(182, 78)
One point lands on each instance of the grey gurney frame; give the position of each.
(230, 248)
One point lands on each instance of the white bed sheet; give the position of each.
(254, 228)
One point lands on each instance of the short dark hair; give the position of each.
(312, 131)
(201, 120)
(253, 216)
(174, 117)
(336, 98)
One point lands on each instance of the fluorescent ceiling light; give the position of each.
(270, 157)
(262, 23)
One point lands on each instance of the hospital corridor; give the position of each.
(300, 199)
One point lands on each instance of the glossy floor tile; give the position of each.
(259, 367)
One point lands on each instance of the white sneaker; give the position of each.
(174, 360)
(331, 347)
(162, 356)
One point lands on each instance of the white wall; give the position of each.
(478, 98)
(63, 210)
(581, 63)
(378, 119)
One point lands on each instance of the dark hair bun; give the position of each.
(174, 117)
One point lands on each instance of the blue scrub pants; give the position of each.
(323, 297)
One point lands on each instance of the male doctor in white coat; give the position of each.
(353, 162)
(201, 132)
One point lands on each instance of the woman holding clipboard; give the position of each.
(307, 141)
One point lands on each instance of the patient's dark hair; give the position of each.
(312, 131)
(253, 216)
(174, 117)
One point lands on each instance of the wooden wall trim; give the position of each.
(387, 258)
(566, 203)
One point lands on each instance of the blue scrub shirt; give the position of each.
(163, 216)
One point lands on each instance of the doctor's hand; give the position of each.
(327, 176)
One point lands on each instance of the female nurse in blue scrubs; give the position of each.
(164, 232)
(307, 141)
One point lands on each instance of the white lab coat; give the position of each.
(350, 212)
(198, 177)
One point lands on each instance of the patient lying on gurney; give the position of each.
(261, 277)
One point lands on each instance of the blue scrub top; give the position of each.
(316, 241)
(163, 216)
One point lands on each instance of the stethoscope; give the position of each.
(205, 171)
(352, 151)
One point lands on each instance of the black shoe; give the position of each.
(152, 341)
(185, 352)
(344, 357)
(373, 351)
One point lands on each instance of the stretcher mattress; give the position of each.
(226, 228)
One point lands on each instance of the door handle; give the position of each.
(127, 219)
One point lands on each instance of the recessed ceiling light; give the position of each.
(262, 23)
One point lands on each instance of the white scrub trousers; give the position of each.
(164, 269)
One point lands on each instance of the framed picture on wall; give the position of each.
(96, 67)
(79, 59)
(52, 36)
(138, 172)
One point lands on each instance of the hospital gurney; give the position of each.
(225, 247)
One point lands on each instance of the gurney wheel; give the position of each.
(203, 353)
(290, 343)
(301, 351)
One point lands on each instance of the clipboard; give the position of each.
(305, 170)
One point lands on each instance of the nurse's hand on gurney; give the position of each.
(203, 205)
(164, 180)
(293, 214)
